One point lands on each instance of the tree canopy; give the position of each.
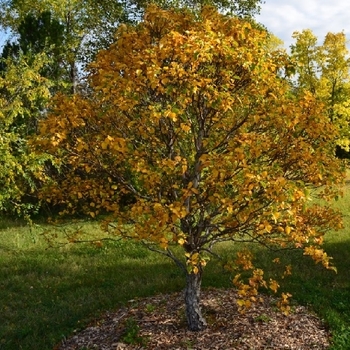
(188, 117)
(64, 36)
(90, 26)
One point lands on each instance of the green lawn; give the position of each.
(47, 293)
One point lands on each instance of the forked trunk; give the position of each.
(195, 319)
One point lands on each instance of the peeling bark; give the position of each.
(195, 319)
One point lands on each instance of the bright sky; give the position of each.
(283, 17)
(3, 38)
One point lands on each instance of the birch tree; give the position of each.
(188, 116)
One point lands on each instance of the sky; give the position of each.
(283, 17)
(3, 37)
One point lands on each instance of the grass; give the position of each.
(326, 292)
(47, 293)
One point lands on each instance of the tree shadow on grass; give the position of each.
(43, 299)
(325, 291)
(328, 293)
(46, 295)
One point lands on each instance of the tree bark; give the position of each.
(195, 319)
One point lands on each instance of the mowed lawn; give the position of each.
(46, 293)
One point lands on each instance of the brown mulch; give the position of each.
(161, 324)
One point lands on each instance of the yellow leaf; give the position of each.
(240, 302)
(287, 230)
(172, 116)
(203, 262)
(80, 146)
(181, 241)
(288, 271)
(275, 216)
(185, 127)
(273, 285)
(163, 243)
(268, 228)
(194, 257)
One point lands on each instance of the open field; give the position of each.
(47, 293)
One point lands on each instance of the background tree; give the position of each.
(31, 70)
(305, 53)
(188, 116)
(41, 35)
(23, 91)
(324, 70)
(87, 26)
(246, 9)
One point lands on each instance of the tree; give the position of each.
(39, 35)
(188, 116)
(23, 91)
(246, 9)
(87, 26)
(324, 70)
(305, 52)
(30, 72)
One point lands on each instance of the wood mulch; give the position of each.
(159, 323)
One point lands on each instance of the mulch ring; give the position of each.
(159, 323)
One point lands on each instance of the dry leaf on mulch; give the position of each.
(159, 323)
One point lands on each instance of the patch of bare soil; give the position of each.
(159, 323)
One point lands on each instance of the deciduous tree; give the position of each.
(39, 35)
(87, 26)
(324, 70)
(247, 9)
(188, 117)
(23, 92)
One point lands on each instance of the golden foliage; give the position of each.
(190, 117)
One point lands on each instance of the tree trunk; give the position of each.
(73, 77)
(195, 319)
